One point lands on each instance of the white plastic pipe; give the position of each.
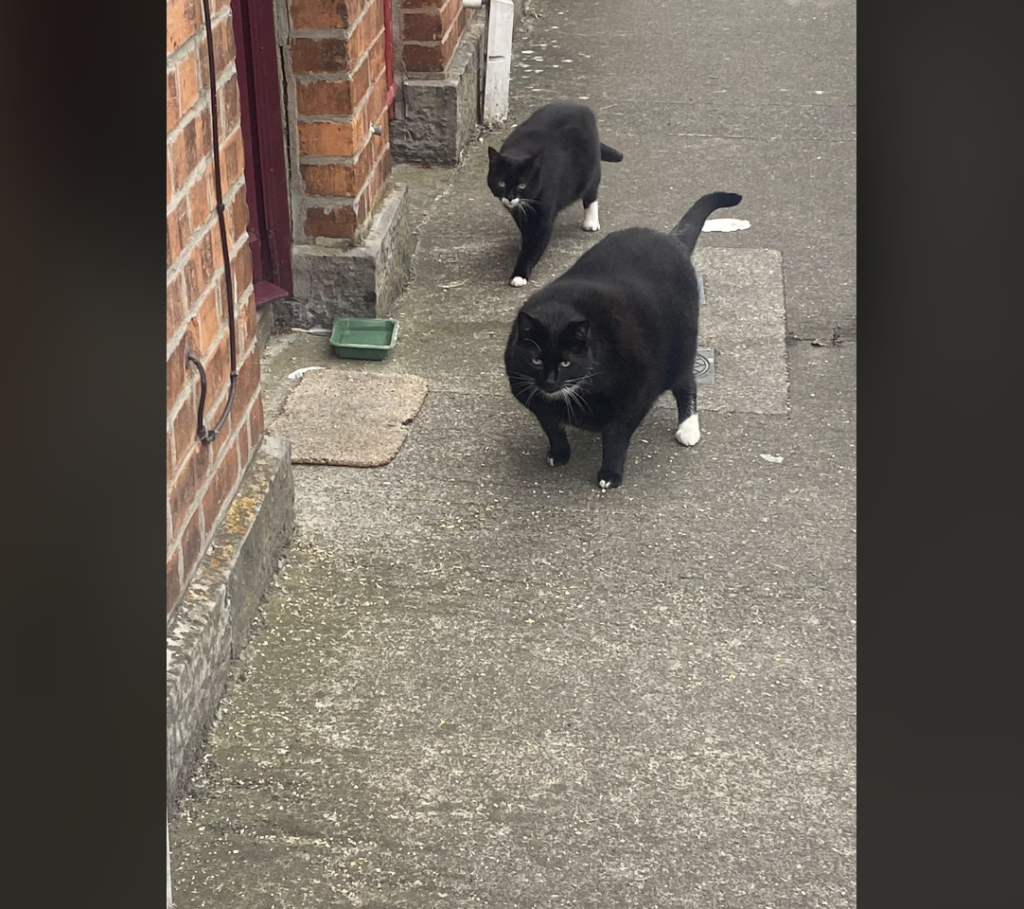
(500, 22)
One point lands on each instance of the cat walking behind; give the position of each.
(597, 346)
(548, 161)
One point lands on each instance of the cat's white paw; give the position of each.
(688, 432)
(551, 462)
(605, 485)
(590, 218)
(517, 281)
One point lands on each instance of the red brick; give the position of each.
(183, 153)
(376, 104)
(337, 222)
(175, 305)
(217, 363)
(221, 488)
(228, 101)
(182, 23)
(178, 231)
(324, 13)
(341, 180)
(204, 250)
(237, 218)
(188, 81)
(202, 63)
(177, 364)
(173, 579)
(200, 199)
(256, 425)
(223, 44)
(244, 445)
(192, 545)
(420, 4)
(173, 110)
(241, 271)
(377, 59)
(232, 161)
(184, 425)
(192, 274)
(182, 494)
(248, 373)
(423, 58)
(210, 320)
(422, 26)
(243, 333)
(170, 185)
(320, 55)
(334, 98)
(171, 470)
(327, 138)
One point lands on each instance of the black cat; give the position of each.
(598, 345)
(548, 161)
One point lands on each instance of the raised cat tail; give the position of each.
(687, 231)
(610, 154)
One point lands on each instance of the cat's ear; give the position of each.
(492, 154)
(527, 325)
(576, 332)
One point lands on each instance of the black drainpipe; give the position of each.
(204, 435)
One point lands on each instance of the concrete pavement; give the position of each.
(478, 681)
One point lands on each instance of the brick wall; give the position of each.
(430, 33)
(336, 57)
(201, 479)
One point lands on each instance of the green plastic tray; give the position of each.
(363, 339)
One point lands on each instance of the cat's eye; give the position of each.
(521, 186)
(536, 361)
(501, 183)
(564, 363)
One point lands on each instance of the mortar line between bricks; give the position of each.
(330, 33)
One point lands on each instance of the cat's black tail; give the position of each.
(610, 154)
(687, 231)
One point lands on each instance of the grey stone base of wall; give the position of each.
(211, 625)
(441, 115)
(362, 280)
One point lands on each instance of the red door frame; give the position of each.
(266, 175)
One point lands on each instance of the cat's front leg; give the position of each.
(614, 445)
(558, 453)
(536, 231)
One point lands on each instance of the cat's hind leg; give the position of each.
(685, 391)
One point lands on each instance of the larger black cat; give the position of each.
(548, 161)
(598, 345)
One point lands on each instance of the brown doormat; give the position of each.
(349, 419)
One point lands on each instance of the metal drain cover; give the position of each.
(704, 366)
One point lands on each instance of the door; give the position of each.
(266, 179)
